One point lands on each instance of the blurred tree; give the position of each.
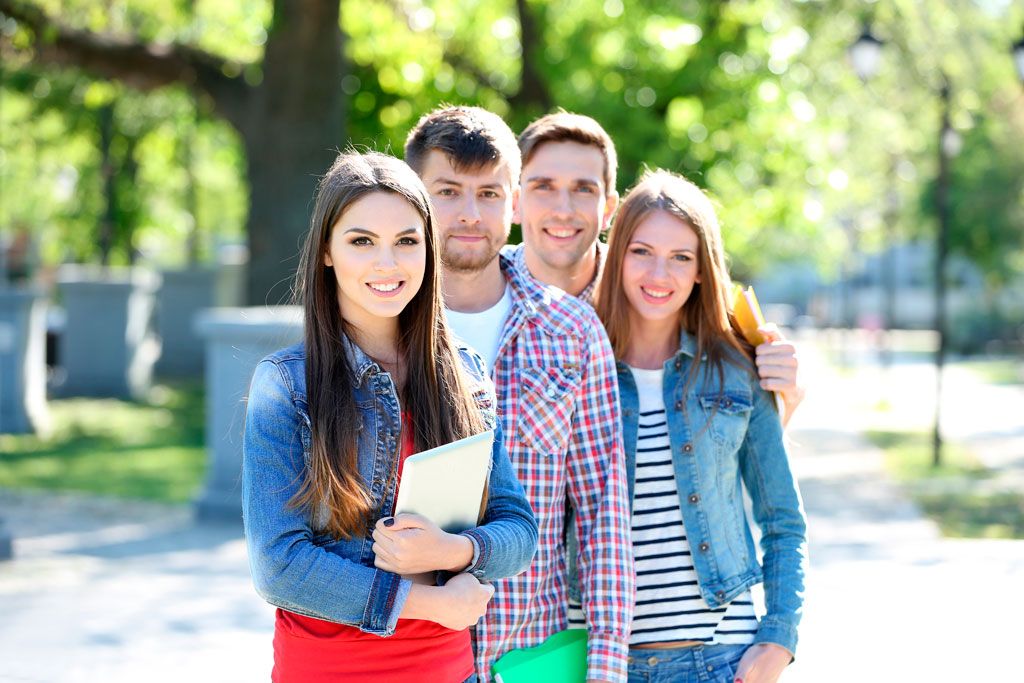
(286, 108)
(749, 98)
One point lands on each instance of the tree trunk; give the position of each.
(291, 137)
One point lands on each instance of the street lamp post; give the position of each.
(865, 55)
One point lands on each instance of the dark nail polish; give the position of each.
(390, 521)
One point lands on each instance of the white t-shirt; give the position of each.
(482, 331)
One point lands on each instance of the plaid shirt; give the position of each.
(558, 399)
(587, 295)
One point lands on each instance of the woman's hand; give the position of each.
(779, 369)
(762, 663)
(412, 544)
(456, 605)
(465, 601)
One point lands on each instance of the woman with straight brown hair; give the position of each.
(697, 426)
(330, 422)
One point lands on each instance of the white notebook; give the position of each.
(446, 484)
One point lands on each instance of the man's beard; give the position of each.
(463, 262)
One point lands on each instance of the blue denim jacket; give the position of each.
(713, 451)
(298, 567)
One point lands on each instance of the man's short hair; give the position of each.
(566, 127)
(471, 138)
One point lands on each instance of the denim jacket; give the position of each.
(295, 565)
(723, 434)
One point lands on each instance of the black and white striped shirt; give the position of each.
(668, 602)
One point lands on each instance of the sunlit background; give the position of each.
(157, 162)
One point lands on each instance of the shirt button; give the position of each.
(653, 661)
(721, 596)
(727, 403)
(694, 498)
(704, 547)
(679, 405)
(687, 448)
(710, 668)
(627, 412)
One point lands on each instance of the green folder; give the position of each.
(562, 658)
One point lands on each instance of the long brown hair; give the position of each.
(436, 394)
(706, 315)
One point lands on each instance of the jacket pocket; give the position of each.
(484, 402)
(728, 415)
(546, 404)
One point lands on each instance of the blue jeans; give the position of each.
(698, 664)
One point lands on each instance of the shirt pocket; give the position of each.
(729, 415)
(546, 404)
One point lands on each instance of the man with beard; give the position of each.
(555, 377)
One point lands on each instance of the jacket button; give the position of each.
(704, 547)
(679, 405)
(720, 595)
(653, 661)
(687, 448)
(679, 363)
(627, 412)
(694, 498)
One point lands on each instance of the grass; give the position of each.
(1004, 371)
(151, 450)
(961, 495)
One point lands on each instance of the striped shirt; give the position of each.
(669, 606)
(558, 402)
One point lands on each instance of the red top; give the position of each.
(308, 650)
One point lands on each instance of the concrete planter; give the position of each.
(236, 340)
(108, 346)
(22, 361)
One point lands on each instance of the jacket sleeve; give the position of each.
(288, 569)
(597, 491)
(506, 540)
(779, 513)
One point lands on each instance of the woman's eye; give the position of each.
(639, 251)
(683, 257)
(361, 241)
(408, 241)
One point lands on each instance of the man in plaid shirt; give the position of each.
(557, 395)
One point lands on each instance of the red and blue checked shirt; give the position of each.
(559, 405)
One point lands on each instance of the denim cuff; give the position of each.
(778, 632)
(388, 594)
(478, 565)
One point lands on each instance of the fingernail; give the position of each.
(390, 521)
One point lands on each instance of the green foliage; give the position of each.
(752, 99)
(150, 450)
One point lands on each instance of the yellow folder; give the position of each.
(748, 314)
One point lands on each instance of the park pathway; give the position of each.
(110, 591)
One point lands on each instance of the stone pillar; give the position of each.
(236, 340)
(182, 294)
(108, 346)
(6, 550)
(22, 361)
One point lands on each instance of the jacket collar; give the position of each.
(358, 360)
(531, 296)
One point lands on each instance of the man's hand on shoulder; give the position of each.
(779, 369)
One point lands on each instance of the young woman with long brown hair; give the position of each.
(329, 424)
(696, 426)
